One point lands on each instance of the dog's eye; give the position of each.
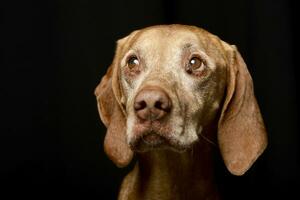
(133, 62)
(195, 65)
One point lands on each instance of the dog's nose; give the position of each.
(152, 103)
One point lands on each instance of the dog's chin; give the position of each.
(153, 141)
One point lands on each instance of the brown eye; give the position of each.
(195, 65)
(133, 62)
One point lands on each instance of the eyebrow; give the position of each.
(187, 46)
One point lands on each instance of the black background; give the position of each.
(55, 53)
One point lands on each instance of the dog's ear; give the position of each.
(112, 114)
(241, 132)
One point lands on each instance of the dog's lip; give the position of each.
(148, 140)
(152, 135)
(153, 139)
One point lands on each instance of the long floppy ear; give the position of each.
(111, 114)
(241, 132)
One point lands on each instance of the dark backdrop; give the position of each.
(55, 52)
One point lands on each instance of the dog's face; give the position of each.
(178, 69)
(167, 85)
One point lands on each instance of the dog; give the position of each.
(171, 95)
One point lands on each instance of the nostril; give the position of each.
(140, 105)
(165, 106)
(158, 105)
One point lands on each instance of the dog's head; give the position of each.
(167, 84)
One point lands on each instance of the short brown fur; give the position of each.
(237, 126)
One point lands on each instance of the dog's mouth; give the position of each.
(156, 135)
(151, 140)
(148, 141)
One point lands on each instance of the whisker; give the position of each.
(208, 140)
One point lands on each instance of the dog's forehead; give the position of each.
(164, 37)
(159, 43)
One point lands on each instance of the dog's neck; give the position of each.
(165, 174)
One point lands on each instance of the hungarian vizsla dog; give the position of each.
(172, 94)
